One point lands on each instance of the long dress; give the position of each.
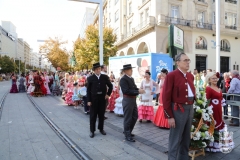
(145, 108)
(159, 118)
(14, 86)
(31, 86)
(216, 102)
(21, 86)
(118, 110)
(68, 97)
(112, 98)
(46, 84)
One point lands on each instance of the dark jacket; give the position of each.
(95, 85)
(128, 86)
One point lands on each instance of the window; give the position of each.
(141, 17)
(143, 1)
(146, 13)
(200, 19)
(201, 43)
(109, 3)
(109, 16)
(116, 15)
(116, 1)
(231, 20)
(175, 12)
(129, 8)
(225, 46)
(231, 1)
(130, 27)
(214, 18)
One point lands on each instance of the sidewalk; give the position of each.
(24, 135)
(75, 124)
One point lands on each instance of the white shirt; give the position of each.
(190, 93)
(102, 72)
(98, 76)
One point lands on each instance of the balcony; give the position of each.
(231, 1)
(225, 49)
(178, 21)
(201, 1)
(201, 46)
(204, 25)
(150, 21)
(231, 27)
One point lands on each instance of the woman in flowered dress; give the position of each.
(68, 97)
(43, 88)
(159, 118)
(31, 86)
(46, 83)
(214, 94)
(113, 96)
(118, 110)
(145, 108)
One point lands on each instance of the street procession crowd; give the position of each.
(176, 96)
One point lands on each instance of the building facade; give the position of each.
(20, 49)
(7, 44)
(27, 53)
(142, 26)
(87, 20)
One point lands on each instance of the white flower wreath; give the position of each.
(215, 101)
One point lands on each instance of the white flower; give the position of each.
(210, 111)
(204, 144)
(215, 101)
(205, 117)
(207, 136)
(205, 125)
(211, 138)
(203, 110)
(192, 126)
(198, 108)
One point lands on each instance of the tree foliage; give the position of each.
(52, 49)
(87, 49)
(7, 64)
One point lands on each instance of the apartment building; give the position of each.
(20, 49)
(142, 26)
(27, 52)
(87, 20)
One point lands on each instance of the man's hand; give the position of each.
(171, 122)
(106, 97)
(89, 104)
(141, 91)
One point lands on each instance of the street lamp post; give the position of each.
(19, 65)
(99, 2)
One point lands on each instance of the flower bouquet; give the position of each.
(203, 123)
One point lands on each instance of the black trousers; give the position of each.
(86, 107)
(130, 113)
(97, 110)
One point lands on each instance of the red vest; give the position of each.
(175, 90)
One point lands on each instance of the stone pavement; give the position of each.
(25, 135)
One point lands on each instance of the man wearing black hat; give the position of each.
(130, 111)
(97, 94)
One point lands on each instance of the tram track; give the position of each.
(2, 103)
(76, 150)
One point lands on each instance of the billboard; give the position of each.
(178, 37)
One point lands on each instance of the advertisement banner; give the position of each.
(178, 37)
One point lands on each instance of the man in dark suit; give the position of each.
(97, 94)
(130, 111)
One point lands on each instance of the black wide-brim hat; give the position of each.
(127, 66)
(96, 65)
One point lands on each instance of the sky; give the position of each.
(41, 19)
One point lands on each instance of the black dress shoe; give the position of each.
(132, 135)
(140, 121)
(234, 124)
(103, 132)
(130, 139)
(91, 135)
(105, 118)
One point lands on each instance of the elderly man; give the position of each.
(178, 98)
(130, 92)
(235, 89)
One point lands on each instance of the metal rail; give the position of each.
(232, 102)
(2, 103)
(71, 145)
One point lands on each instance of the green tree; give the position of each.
(7, 64)
(87, 49)
(52, 49)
